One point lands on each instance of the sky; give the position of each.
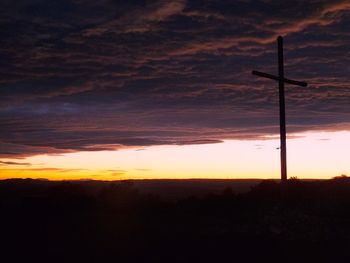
(163, 89)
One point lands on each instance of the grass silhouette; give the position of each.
(43, 221)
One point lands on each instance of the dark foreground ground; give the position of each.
(117, 222)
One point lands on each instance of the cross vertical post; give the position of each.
(282, 107)
(282, 111)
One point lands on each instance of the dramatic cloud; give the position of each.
(99, 75)
(14, 163)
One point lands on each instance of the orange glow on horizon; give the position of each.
(310, 155)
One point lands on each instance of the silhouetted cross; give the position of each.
(281, 80)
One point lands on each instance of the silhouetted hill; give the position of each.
(43, 221)
(167, 189)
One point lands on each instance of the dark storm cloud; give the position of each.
(101, 75)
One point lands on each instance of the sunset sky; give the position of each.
(110, 90)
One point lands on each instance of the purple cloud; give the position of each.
(88, 76)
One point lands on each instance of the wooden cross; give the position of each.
(281, 80)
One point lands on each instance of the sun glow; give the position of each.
(310, 155)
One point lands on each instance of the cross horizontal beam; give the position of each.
(269, 76)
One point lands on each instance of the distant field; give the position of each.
(168, 189)
(178, 189)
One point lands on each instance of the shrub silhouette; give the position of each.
(95, 222)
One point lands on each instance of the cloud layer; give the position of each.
(86, 75)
